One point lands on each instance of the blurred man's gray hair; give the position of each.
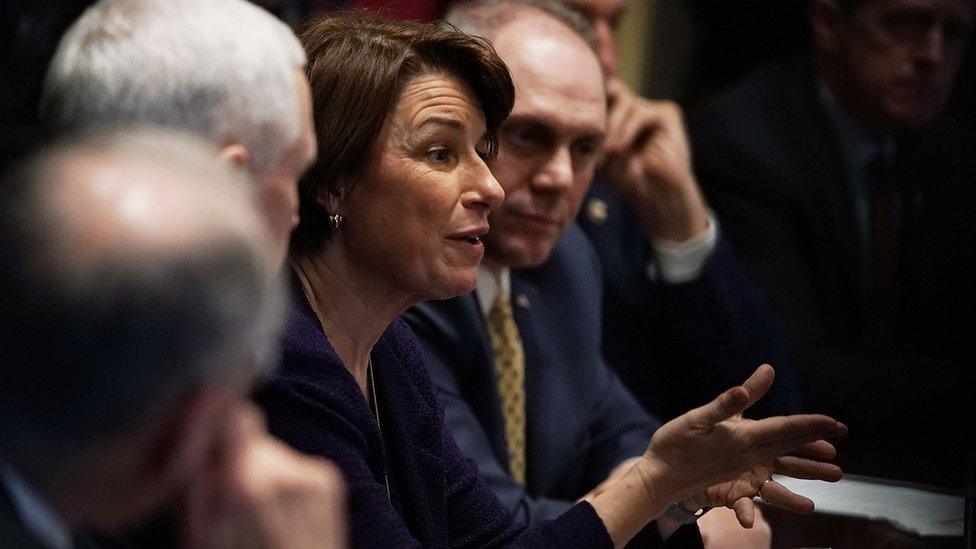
(135, 268)
(485, 17)
(224, 69)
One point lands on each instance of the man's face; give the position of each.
(604, 16)
(549, 144)
(278, 185)
(899, 58)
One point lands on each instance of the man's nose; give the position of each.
(556, 174)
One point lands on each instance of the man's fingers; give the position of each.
(727, 404)
(621, 116)
(759, 383)
(819, 450)
(745, 512)
(781, 496)
(807, 469)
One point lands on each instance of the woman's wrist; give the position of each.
(631, 503)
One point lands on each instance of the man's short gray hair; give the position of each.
(224, 69)
(99, 334)
(485, 17)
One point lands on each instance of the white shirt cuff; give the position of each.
(680, 262)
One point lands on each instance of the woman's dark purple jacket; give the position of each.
(314, 404)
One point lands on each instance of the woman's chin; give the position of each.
(454, 286)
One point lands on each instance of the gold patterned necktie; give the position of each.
(510, 370)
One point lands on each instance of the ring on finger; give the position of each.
(761, 497)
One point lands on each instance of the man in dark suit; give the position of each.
(538, 301)
(847, 197)
(141, 301)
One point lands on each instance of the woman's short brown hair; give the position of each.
(358, 63)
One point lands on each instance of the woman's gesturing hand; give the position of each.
(713, 453)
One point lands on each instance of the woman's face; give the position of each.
(418, 216)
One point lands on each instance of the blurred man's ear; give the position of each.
(826, 22)
(236, 154)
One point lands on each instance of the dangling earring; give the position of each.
(334, 221)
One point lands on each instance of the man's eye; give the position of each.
(438, 155)
(585, 149)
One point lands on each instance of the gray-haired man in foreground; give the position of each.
(223, 69)
(141, 300)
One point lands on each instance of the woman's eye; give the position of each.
(438, 155)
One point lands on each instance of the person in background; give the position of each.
(847, 195)
(141, 301)
(223, 69)
(393, 213)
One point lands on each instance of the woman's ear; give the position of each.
(236, 154)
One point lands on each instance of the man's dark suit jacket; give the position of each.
(677, 346)
(772, 167)
(581, 420)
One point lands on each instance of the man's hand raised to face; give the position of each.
(648, 161)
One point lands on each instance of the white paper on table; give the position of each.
(912, 508)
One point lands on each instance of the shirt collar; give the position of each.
(490, 284)
(38, 517)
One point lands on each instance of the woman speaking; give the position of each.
(392, 214)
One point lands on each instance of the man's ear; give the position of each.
(236, 154)
(826, 21)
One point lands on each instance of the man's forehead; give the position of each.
(541, 50)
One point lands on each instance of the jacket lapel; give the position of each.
(413, 433)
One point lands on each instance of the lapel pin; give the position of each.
(596, 210)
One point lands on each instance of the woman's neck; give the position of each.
(353, 308)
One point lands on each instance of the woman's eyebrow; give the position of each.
(441, 120)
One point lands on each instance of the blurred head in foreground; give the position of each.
(141, 299)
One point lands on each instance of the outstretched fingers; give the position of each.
(781, 496)
(759, 383)
(776, 436)
(819, 450)
(807, 469)
(731, 402)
